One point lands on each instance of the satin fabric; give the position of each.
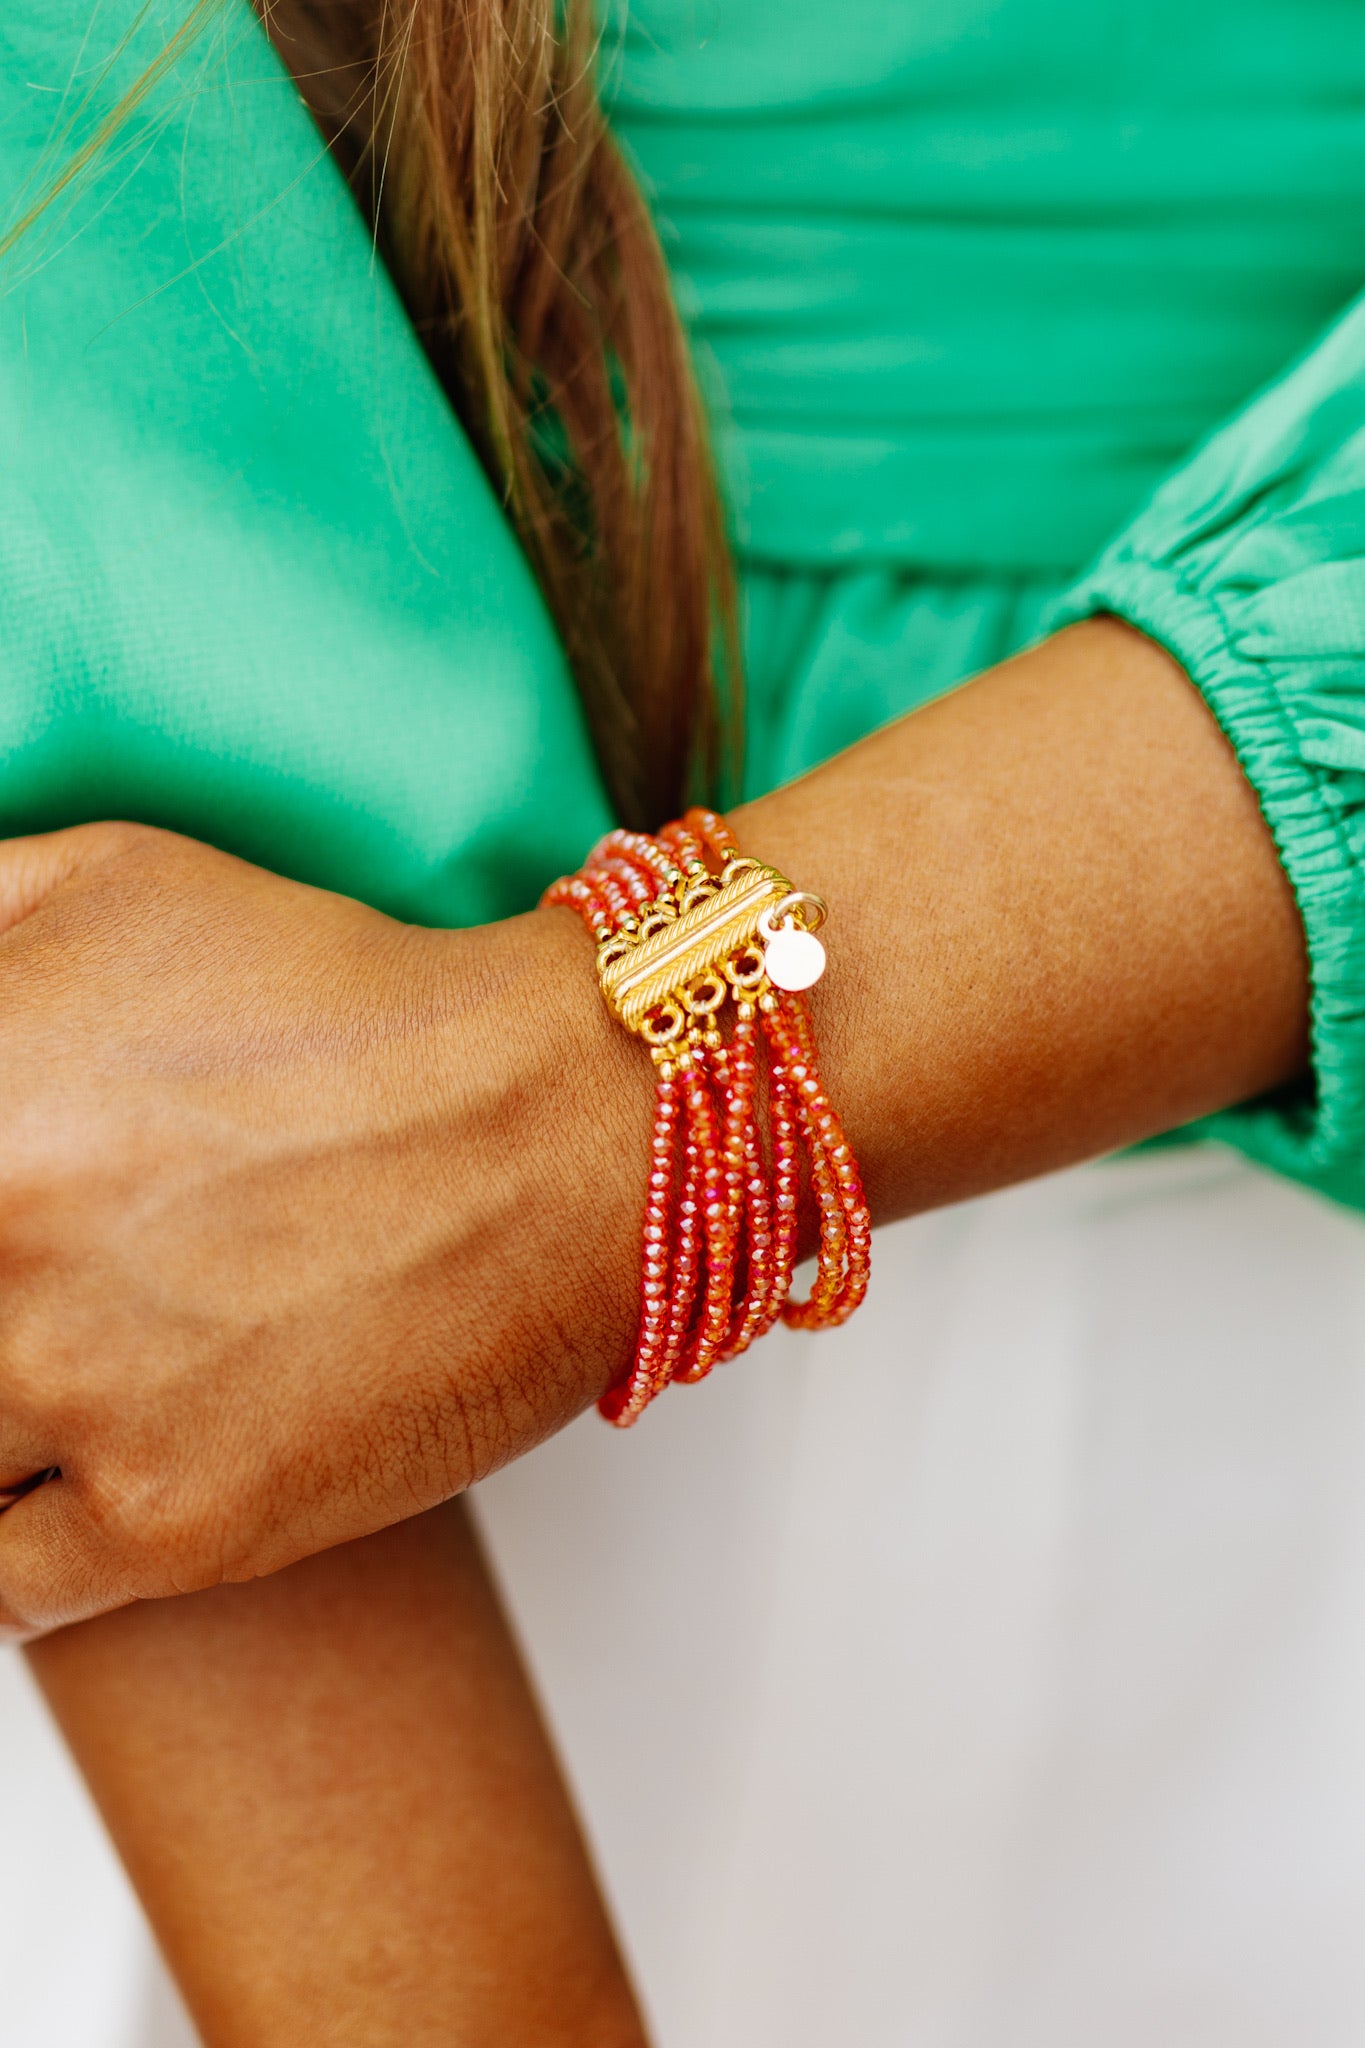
(255, 586)
(971, 276)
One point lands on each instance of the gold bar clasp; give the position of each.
(662, 965)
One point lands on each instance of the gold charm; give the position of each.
(793, 957)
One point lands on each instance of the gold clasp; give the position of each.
(665, 966)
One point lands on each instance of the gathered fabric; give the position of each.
(1249, 565)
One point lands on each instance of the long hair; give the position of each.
(473, 137)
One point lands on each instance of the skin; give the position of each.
(335, 1797)
(309, 1219)
(256, 1138)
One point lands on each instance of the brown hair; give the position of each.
(473, 137)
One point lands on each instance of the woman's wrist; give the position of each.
(1059, 919)
(545, 1106)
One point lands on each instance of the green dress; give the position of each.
(968, 283)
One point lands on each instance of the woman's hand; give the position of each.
(307, 1218)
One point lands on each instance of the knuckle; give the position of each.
(19, 1629)
(31, 1594)
(15, 1634)
(115, 838)
(18, 1621)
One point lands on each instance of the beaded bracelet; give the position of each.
(676, 941)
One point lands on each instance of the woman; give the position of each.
(950, 345)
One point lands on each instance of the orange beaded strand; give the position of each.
(719, 1234)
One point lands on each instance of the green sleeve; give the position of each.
(253, 583)
(1249, 566)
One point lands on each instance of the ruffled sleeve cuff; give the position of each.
(1248, 565)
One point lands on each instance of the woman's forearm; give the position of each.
(1059, 925)
(338, 1805)
(1059, 921)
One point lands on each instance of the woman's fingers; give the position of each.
(28, 1453)
(49, 1563)
(15, 1492)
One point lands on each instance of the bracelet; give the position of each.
(676, 943)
